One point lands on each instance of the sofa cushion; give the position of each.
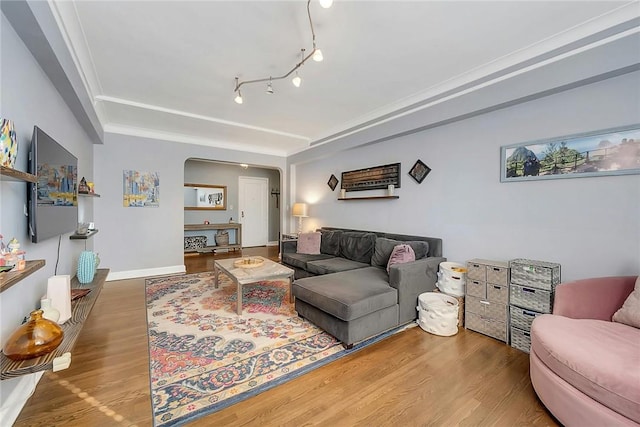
(357, 246)
(330, 242)
(384, 247)
(629, 313)
(333, 265)
(348, 295)
(301, 260)
(401, 254)
(308, 243)
(597, 357)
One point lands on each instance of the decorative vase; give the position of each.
(37, 337)
(87, 264)
(48, 311)
(8, 144)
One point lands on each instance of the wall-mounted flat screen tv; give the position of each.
(52, 201)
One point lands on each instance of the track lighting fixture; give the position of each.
(315, 53)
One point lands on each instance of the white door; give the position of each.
(253, 207)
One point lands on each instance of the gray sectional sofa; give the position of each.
(346, 289)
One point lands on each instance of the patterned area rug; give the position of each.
(204, 357)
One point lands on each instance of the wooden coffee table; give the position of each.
(241, 276)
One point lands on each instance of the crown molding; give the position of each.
(141, 105)
(172, 137)
(620, 22)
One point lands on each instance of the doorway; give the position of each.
(253, 209)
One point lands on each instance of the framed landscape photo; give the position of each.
(419, 171)
(606, 152)
(333, 182)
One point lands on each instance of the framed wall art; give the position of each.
(333, 182)
(419, 171)
(613, 151)
(140, 189)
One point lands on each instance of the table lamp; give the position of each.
(300, 210)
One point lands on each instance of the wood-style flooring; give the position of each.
(409, 379)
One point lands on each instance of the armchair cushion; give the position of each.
(629, 313)
(580, 352)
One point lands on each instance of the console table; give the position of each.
(224, 226)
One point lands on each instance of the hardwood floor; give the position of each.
(411, 378)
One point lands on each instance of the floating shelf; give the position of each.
(83, 236)
(88, 195)
(369, 198)
(10, 278)
(80, 310)
(16, 175)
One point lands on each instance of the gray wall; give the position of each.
(216, 173)
(589, 225)
(149, 238)
(29, 98)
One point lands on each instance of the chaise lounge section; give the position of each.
(346, 289)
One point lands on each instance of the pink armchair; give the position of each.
(584, 367)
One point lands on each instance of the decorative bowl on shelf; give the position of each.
(248, 263)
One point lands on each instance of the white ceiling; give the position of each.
(166, 69)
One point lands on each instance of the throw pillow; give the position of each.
(401, 254)
(384, 247)
(309, 243)
(629, 313)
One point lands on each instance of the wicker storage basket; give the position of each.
(536, 274)
(531, 298)
(222, 238)
(498, 293)
(522, 318)
(490, 327)
(476, 288)
(484, 308)
(520, 339)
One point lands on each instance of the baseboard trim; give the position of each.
(13, 403)
(274, 243)
(145, 272)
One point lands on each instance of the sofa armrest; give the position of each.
(597, 298)
(412, 279)
(289, 246)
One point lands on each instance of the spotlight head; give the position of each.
(238, 98)
(326, 3)
(297, 81)
(269, 88)
(317, 55)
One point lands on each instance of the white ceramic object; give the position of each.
(48, 311)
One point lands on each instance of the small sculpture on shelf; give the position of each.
(11, 255)
(83, 188)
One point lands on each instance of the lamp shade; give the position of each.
(300, 209)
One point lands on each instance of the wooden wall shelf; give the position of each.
(369, 198)
(80, 310)
(16, 175)
(10, 278)
(88, 195)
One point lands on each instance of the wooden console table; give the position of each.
(224, 226)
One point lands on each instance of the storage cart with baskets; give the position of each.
(531, 293)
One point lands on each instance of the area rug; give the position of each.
(204, 357)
